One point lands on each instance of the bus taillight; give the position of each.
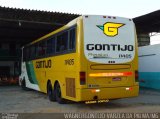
(82, 78)
(136, 76)
(110, 74)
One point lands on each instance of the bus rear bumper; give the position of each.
(108, 93)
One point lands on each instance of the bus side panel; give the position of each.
(62, 69)
(28, 74)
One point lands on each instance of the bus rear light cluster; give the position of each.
(82, 78)
(95, 90)
(129, 88)
(110, 74)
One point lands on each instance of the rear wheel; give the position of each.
(50, 92)
(59, 94)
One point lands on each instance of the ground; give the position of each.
(13, 99)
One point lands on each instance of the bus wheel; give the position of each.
(50, 92)
(59, 98)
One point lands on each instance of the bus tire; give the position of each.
(50, 92)
(59, 98)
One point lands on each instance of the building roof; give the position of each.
(22, 25)
(148, 23)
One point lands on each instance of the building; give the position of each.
(19, 27)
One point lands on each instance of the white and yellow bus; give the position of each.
(91, 58)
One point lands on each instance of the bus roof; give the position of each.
(68, 25)
(55, 31)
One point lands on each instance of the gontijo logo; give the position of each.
(110, 28)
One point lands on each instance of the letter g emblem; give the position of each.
(111, 29)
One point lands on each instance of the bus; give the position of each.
(92, 58)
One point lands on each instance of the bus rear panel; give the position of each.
(109, 60)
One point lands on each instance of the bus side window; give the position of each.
(42, 48)
(51, 45)
(72, 39)
(62, 42)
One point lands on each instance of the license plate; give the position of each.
(96, 101)
(116, 79)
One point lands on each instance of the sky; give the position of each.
(123, 8)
